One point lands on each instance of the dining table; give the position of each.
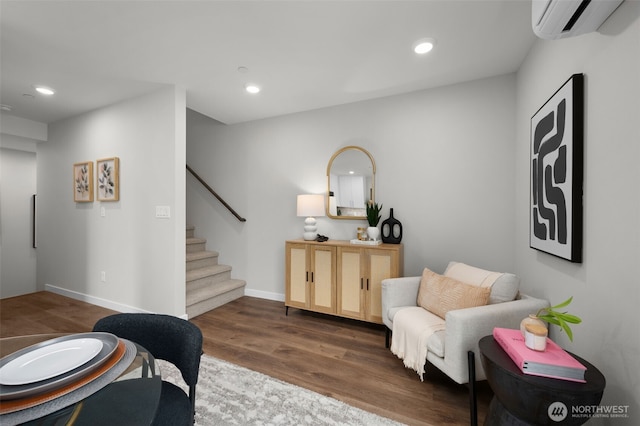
(120, 385)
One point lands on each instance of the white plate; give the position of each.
(49, 361)
(109, 347)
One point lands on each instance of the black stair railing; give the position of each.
(215, 194)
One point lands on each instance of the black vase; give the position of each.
(391, 230)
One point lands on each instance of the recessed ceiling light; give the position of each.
(45, 90)
(252, 88)
(424, 45)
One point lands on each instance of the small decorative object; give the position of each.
(83, 182)
(535, 337)
(373, 217)
(373, 232)
(108, 179)
(557, 130)
(391, 229)
(561, 319)
(531, 320)
(362, 233)
(309, 206)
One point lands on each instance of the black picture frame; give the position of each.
(556, 172)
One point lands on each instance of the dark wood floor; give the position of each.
(340, 358)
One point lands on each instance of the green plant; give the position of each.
(373, 213)
(561, 319)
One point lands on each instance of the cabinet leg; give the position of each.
(286, 311)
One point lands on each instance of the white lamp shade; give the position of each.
(310, 205)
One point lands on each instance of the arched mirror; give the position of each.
(351, 183)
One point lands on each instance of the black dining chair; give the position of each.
(171, 339)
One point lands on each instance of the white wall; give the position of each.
(143, 257)
(444, 161)
(605, 285)
(18, 144)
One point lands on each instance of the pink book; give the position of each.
(554, 362)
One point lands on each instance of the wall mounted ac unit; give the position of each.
(553, 19)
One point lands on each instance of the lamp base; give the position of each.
(310, 229)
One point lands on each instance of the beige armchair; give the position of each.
(453, 348)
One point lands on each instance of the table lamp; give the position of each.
(309, 206)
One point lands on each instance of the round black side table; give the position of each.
(523, 399)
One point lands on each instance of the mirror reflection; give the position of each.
(351, 183)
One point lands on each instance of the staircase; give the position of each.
(209, 284)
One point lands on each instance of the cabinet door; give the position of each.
(322, 281)
(381, 264)
(296, 276)
(350, 283)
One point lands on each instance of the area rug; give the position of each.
(227, 394)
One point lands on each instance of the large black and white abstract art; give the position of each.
(556, 172)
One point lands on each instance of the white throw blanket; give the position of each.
(412, 327)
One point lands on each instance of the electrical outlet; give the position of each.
(103, 276)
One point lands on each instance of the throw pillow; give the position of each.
(439, 294)
(504, 286)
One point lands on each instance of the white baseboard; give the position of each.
(120, 307)
(264, 294)
(93, 300)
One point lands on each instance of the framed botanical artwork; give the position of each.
(557, 131)
(108, 179)
(83, 182)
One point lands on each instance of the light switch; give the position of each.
(163, 212)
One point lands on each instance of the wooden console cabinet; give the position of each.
(339, 278)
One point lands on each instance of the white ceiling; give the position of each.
(304, 54)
